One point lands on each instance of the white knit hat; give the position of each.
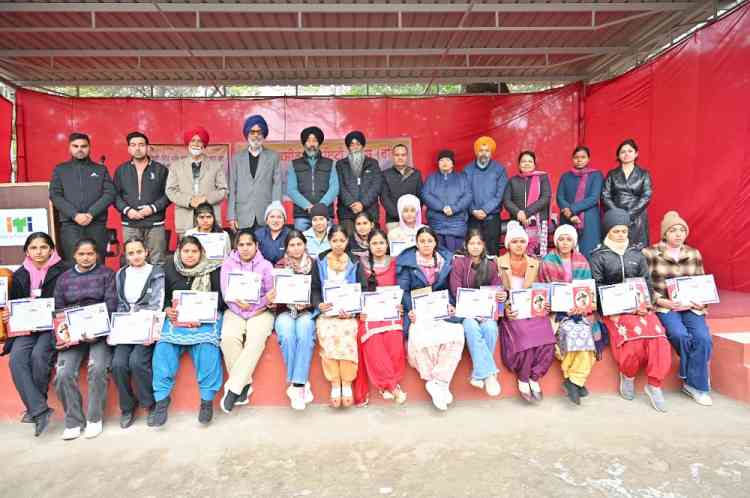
(275, 206)
(514, 230)
(566, 230)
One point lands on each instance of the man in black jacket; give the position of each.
(81, 191)
(399, 180)
(360, 182)
(141, 197)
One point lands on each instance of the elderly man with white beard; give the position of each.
(360, 183)
(254, 178)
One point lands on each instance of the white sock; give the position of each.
(524, 387)
(535, 386)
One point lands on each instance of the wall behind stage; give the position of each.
(6, 124)
(689, 110)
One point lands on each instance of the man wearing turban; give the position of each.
(360, 183)
(254, 177)
(311, 179)
(487, 181)
(194, 180)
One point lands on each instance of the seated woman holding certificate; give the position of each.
(206, 228)
(382, 358)
(579, 335)
(31, 355)
(88, 282)
(472, 269)
(435, 342)
(685, 322)
(295, 323)
(636, 338)
(337, 328)
(409, 221)
(247, 288)
(140, 286)
(193, 328)
(527, 345)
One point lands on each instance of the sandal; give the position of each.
(399, 395)
(336, 395)
(347, 397)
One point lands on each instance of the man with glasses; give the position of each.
(254, 178)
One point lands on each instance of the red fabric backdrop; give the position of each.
(688, 110)
(6, 123)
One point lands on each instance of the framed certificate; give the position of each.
(243, 286)
(292, 288)
(520, 302)
(88, 321)
(343, 296)
(131, 328)
(640, 288)
(561, 297)
(194, 306)
(30, 315)
(214, 244)
(699, 289)
(3, 291)
(383, 304)
(431, 305)
(475, 303)
(617, 299)
(499, 307)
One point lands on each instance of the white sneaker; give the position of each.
(478, 383)
(492, 386)
(701, 397)
(524, 387)
(535, 387)
(448, 396)
(399, 395)
(387, 395)
(93, 429)
(71, 433)
(308, 393)
(297, 397)
(435, 393)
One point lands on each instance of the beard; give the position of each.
(483, 161)
(255, 143)
(312, 152)
(357, 159)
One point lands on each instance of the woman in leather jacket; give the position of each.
(629, 187)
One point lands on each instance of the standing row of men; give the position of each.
(142, 189)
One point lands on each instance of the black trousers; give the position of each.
(31, 359)
(490, 228)
(133, 361)
(71, 233)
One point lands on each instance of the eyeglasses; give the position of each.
(255, 131)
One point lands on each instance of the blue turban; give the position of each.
(255, 119)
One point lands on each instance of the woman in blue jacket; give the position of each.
(578, 195)
(434, 346)
(448, 197)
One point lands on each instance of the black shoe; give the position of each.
(242, 400)
(27, 418)
(572, 390)
(161, 410)
(207, 412)
(228, 400)
(582, 391)
(41, 422)
(127, 419)
(151, 415)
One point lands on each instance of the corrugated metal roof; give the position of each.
(336, 42)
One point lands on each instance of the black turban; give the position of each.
(312, 130)
(355, 135)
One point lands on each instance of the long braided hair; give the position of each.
(372, 281)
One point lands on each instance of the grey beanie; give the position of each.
(614, 217)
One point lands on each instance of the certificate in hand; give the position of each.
(561, 299)
(699, 289)
(638, 284)
(475, 303)
(292, 288)
(343, 296)
(243, 286)
(194, 306)
(430, 305)
(3, 291)
(499, 307)
(397, 247)
(131, 328)
(213, 243)
(30, 315)
(88, 321)
(520, 302)
(383, 304)
(618, 298)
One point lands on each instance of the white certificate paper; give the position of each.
(131, 328)
(397, 247)
(196, 306)
(243, 286)
(520, 302)
(561, 297)
(431, 306)
(383, 304)
(30, 314)
(700, 289)
(213, 243)
(618, 298)
(343, 296)
(3, 291)
(88, 321)
(292, 288)
(475, 303)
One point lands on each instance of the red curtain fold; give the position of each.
(6, 124)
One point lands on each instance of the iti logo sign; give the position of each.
(17, 224)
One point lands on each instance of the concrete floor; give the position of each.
(607, 447)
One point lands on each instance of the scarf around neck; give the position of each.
(200, 273)
(618, 247)
(37, 275)
(301, 266)
(337, 263)
(535, 187)
(583, 175)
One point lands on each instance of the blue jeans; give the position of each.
(206, 361)
(297, 341)
(302, 224)
(691, 338)
(481, 339)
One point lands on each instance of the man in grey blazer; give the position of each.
(254, 178)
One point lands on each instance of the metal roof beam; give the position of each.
(660, 6)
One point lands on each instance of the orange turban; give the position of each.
(484, 141)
